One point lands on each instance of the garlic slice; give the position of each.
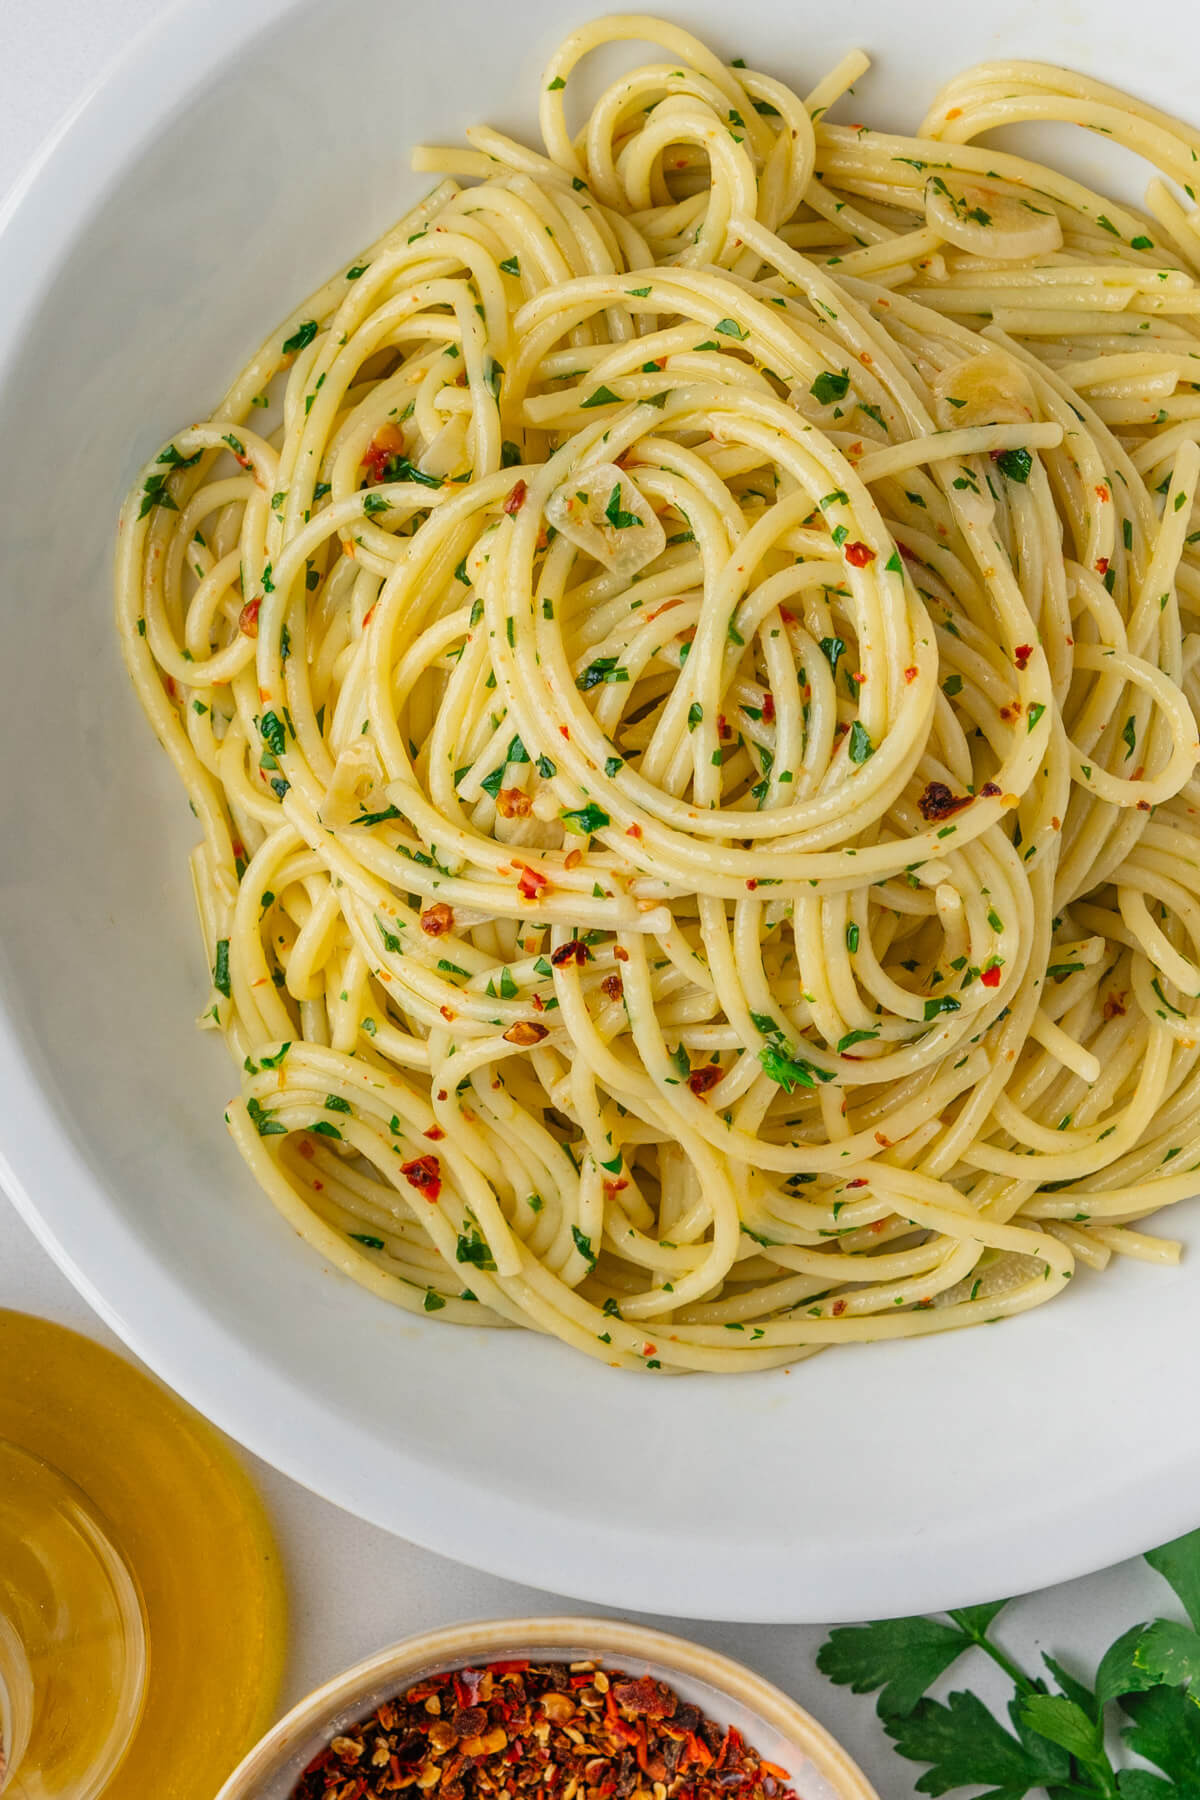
(990, 220)
(992, 389)
(447, 454)
(357, 767)
(606, 516)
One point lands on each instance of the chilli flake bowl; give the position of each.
(778, 1729)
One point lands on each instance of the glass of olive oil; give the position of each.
(72, 1637)
(140, 1584)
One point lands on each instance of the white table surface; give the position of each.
(354, 1588)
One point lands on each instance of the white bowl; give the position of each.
(238, 155)
(725, 1691)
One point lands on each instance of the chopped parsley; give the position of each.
(828, 387)
(300, 338)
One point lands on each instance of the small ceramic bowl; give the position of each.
(779, 1730)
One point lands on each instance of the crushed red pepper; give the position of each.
(437, 920)
(387, 443)
(940, 802)
(541, 1731)
(531, 881)
(425, 1174)
(700, 1080)
(525, 1032)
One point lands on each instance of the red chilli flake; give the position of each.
(938, 802)
(516, 499)
(387, 443)
(1102, 565)
(768, 709)
(989, 791)
(991, 976)
(1022, 654)
(859, 555)
(532, 882)
(425, 1174)
(248, 618)
(700, 1080)
(575, 951)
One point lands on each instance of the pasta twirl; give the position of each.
(684, 657)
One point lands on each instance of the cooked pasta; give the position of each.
(684, 658)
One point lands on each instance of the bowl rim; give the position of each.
(486, 1639)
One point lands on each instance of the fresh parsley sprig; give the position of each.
(1058, 1744)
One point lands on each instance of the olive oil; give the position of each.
(142, 1615)
(72, 1637)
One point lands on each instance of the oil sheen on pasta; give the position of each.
(682, 654)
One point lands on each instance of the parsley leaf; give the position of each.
(829, 387)
(618, 519)
(584, 820)
(584, 1246)
(1179, 1563)
(860, 743)
(901, 1657)
(967, 1747)
(833, 649)
(790, 1071)
(221, 968)
(472, 1247)
(1016, 464)
(301, 337)
(1058, 1744)
(1166, 1731)
(271, 727)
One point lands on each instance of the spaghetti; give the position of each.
(683, 657)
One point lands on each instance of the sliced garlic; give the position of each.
(997, 1273)
(992, 389)
(990, 219)
(447, 454)
(603, 514)
(357, 769)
